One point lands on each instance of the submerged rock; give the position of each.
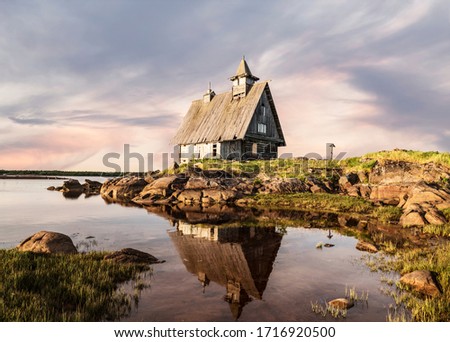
(48, 242)
(422, 281)
(341, 303)
(366, 247)
(131, 255)
(72, 188)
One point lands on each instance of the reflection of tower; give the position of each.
(329, 234)
(236, 297)
(203, 279)
(239, 259)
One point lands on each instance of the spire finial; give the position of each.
(243, 57)
(209, 86)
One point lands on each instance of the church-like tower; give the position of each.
(243, 80)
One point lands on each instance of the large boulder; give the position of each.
(48, 242)
(164, 186)
(284, 186)
(212, 195)
(393, 171)
(122, 189)
(422, 281)
(423, 204)
(190, 196)
(199, 183)
(412, 218)
(392, 194)
(72, 185)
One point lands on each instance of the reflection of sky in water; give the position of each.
(26, 207)
(300, 273)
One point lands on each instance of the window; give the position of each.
(262, 120)
(263, 114)
(262, 128)
(214, 150)
(255, 148)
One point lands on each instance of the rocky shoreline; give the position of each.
(419, 190)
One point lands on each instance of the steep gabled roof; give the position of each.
(222, 119)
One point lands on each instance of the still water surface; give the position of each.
(210, 273)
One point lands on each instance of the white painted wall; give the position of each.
(199, 151)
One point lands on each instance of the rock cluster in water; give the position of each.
(73, 188)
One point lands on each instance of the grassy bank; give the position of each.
(80, 287)
(441, 158)
(309, 201)
(299, 168)
(326, 202)
(420, 308)
(368, 161)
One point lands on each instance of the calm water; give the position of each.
(210, 273)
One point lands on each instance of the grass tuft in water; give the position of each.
(354, 296)
(325, 309)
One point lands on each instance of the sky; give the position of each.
(81, 79)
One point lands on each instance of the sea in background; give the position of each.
(210, 273)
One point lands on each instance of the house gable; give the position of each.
(265, 124)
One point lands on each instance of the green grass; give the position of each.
(81, 287)
(439, 230)
(357, 164)
(388, 214)
(446, 213)
(369, 160)
(308, 201)
(302, 168)
(283, 168)
(441, 158)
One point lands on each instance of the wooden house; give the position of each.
(240, 124)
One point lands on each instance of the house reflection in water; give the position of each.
(239, 259)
